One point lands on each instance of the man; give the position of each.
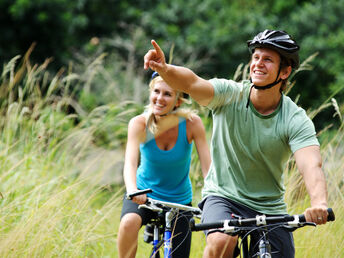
(255, 129)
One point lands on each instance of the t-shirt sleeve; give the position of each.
(223, 92)
(302, 131)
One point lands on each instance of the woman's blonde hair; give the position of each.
(151, 122)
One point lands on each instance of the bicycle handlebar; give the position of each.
(139, 192)
(157, 205)
(162, 204)
(259, 220)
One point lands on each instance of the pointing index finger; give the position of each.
(154, 57)
(157, 47)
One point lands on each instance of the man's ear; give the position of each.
(286, 72)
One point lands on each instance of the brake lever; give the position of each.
(153, 207)
(309, 224)
(292, 228)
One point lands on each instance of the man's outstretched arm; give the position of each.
(178, 77)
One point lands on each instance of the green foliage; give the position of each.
(110, 123)
(58, 26)
(325, 36)
(208, 36)
(87, 100)
(49, 203)
(55, 151)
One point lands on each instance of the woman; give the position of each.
(161, 140)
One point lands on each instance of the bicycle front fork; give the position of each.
(168, 244)
(264, 248)
(168, 233)
(155, 252)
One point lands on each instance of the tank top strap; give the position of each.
(149, 135)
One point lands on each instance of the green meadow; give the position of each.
(61, 159)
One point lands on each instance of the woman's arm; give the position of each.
(309, 163)
(136, 134)
(198, 135)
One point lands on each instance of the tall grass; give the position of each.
(325, 240)
(54, 200)
(60, 171)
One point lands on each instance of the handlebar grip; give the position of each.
(130, 196)
(302, 218)
(204, 226)
(330, 216)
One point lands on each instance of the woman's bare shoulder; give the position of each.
(138, 122)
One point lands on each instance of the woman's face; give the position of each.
(162, 98)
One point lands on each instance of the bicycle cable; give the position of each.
(188, 232)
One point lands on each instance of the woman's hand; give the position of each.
(140, 199)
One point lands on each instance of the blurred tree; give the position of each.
(209, 36)
(48, 23)
(57, 26)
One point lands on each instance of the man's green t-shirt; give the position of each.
(250, 150)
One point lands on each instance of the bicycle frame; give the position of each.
(171, 210)
(169, 215)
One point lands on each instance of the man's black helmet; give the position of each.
(279, 41)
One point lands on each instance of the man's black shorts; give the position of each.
(216, 208)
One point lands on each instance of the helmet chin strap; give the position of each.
(267, 86)
(277, 81)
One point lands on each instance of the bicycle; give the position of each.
(243, 227)
(162, 224)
